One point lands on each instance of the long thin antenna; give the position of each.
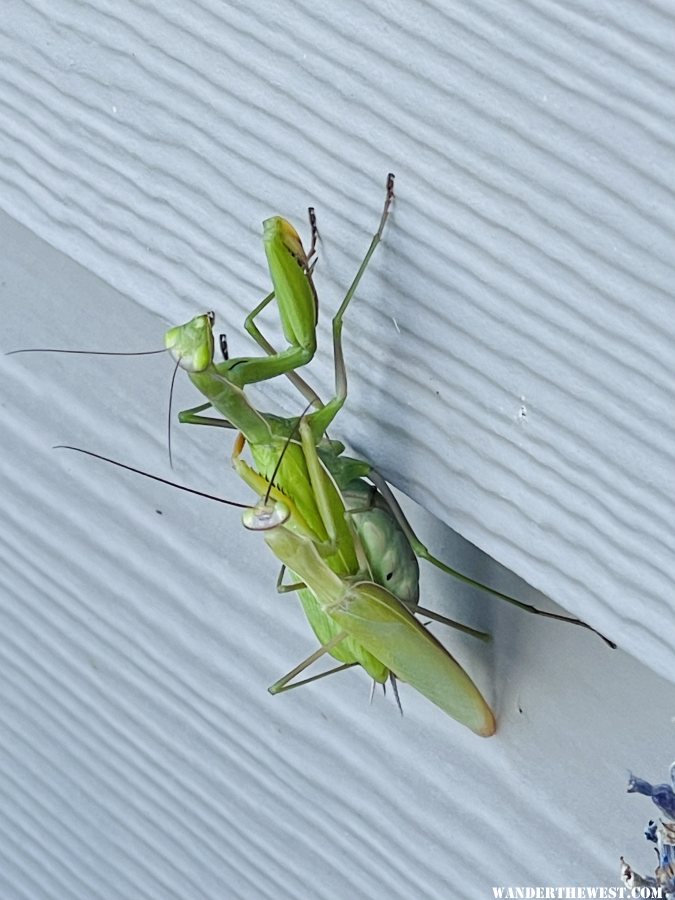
(168, 420)
(87, 352)
(181, 487)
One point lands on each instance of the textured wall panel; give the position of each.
(140, 754)
(511, 367)
(520, 324)
(519, 317)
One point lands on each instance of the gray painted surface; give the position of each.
(511, 367)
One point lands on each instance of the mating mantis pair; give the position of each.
(347, 541)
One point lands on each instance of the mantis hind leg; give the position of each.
(451, 623)
(283, 683)
(322, 418)
(279, 687)
(423, 553)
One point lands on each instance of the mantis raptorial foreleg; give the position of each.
(256, 369)
(289, 270)
(305, 389)
(298, 308)
(340, 372)
(250, 324)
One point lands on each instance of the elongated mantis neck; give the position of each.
(232, 403)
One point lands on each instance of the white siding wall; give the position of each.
(511, 368)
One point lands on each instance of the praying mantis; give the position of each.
(355, 529)
(311, 489)
(347, 542)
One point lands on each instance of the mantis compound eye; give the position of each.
(265, 516)
(191, 345)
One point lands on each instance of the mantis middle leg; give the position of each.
(423, 553)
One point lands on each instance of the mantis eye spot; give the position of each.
(389, 576)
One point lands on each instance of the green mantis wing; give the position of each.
(383, 625)
(349, 650)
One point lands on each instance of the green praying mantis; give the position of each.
(347, 542)
(356, 531)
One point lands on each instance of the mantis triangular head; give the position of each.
(191, 345)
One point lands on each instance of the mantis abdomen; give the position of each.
(392, 564)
